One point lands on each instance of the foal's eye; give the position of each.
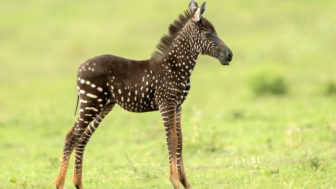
(207, 34)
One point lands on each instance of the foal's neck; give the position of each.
(181, 58)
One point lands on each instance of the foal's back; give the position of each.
(110, 65)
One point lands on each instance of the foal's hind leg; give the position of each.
(83, 140)
(71, 140)
(67, 150)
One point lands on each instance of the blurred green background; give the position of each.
(266, 121)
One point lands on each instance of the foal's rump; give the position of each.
(128, 83)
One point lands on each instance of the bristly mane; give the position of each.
(174, 29)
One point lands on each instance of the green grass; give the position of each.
(232, 139)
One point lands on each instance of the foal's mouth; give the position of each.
(225, 63)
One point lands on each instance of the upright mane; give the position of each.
(174, 29)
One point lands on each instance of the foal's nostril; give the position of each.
(229, 56)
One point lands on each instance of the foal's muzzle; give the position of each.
(224, 54)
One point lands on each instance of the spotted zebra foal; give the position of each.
(159, 83)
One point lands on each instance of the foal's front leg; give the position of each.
(180, 166)
(168, 113)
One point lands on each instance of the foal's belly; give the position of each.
(143, 105)
(135, 100)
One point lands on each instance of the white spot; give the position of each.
(83, 101)
(91, 108)
(91, 95)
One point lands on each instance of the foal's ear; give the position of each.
(199, 12)
(203, 8)
(193, 5)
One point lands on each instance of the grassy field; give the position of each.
(234, 136)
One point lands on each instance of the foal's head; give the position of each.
(205, 36)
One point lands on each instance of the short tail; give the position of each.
(77, 104)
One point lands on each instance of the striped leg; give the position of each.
(168, 114)
(83, 140)
(72, 138)
(67, 150)
(180, 166)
